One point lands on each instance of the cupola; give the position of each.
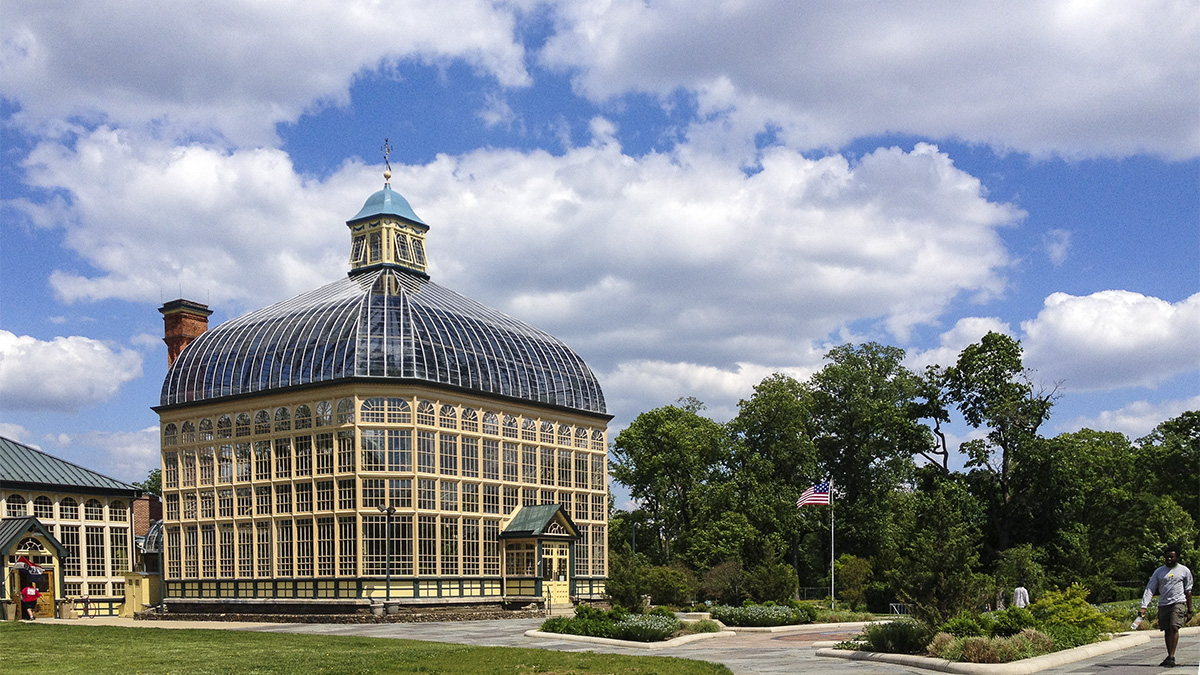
(386, 233)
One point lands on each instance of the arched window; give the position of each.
(448, 417)
(398, 411)
(324, 413)
(206, 429)
(283, 419)
(14, 506)
(529, 429)
(43, 508)
(117, 511)
(564, 434)
(402, 248)
(547, 432)
(345, 411)
(372, 410)
(68, 509)
(581, 438)
(30, 544)
(418, 252)
(262, 422)
(597, 439)
(93, 510)
(189, 432)
(425, 413)
(303, 417)
(510, 426)
(242, 424)
(491, 424)
(470, 420)
(224, 426)
(171, 434)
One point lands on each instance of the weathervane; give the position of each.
(387, 172)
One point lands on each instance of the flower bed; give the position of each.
(619, 624)
(760, 616)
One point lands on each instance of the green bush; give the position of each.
(1068, 608)
(775, 581)
(978, 650)
(1008, 622)
(963, 625)
(674, 585)
(702, 626)
(645, 627)
(761, 615)
(942, 645)
(1066, 636)
(897, 637)
(726, 583)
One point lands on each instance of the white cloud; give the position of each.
(1099, 78)
(678, 257)
(232, 70)
(16, 432)
(1113, 339)
(63, 374)
(125, 455)
(966, 331)
(1057, 244)
(1135, 419)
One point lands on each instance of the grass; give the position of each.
(46, 649)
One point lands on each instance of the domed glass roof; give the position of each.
(382, 323)
(387, 202)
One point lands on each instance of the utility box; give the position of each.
(142, 590)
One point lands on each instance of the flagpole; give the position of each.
(832, 597)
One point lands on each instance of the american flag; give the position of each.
(817, 494)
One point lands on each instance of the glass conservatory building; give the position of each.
(379, 438)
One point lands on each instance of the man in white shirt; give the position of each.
(1173, 584)
(1020, 596)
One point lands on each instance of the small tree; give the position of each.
(627, 580)
(773, 580)
(153, 483)
(854, 573)
(726, 583)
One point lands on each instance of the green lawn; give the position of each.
(34, 648)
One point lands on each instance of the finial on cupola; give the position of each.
(387, 172)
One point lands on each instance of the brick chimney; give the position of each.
(183, 321)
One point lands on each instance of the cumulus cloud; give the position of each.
(1098, 79)
(230, 70)
(667, 257)
(16, 432)
(1113, 339)
(63, 374)
(966, 331)
(1134, 419)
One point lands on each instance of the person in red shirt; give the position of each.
(29, 598)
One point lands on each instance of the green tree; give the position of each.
(665, 457)
(992, 390)
(1170, 461)
(771, 461)
(938, 575)
(153, 483)
(866, 415)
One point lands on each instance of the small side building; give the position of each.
(72, 522)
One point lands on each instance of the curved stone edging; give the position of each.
(806, 627)
(674, 642)
(1022, 667)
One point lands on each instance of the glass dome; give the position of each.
(382, 323)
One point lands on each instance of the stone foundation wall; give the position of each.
(414, 615)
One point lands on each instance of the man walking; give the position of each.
(1173, 584)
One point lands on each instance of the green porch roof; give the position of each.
(23, 468)
(532, 521)
(13, 529)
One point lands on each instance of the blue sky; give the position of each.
(692, 195)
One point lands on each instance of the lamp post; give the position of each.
(390, 511)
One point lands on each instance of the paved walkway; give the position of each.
(745, 654)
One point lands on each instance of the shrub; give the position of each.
(775, 581)
(963, 625)
(761, 615)
(1067, 636)
(1068, 608)
(702, 626)
(645, 628)
(1011, 621)
(674, 585)
(979, 650)
(898, 637)
(940, 646)
(726, 583)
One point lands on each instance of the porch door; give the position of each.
(45, 604)
(556, 567)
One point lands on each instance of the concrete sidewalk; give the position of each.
(745, 654)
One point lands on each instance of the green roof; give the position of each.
(12, 529)
(23, 467)
(387, 202)
(532, 521)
